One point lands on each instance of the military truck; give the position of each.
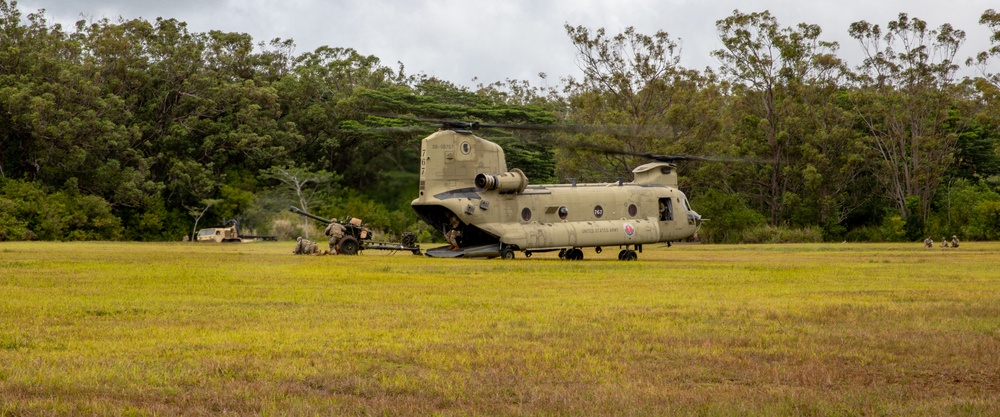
(230, 233)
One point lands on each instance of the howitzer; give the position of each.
(357, 236)
(301, 212)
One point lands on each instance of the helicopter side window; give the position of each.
(666, 210)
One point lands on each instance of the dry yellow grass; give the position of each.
(249, 329)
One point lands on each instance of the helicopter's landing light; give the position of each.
(484, 251)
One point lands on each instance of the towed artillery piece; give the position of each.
(358, 237)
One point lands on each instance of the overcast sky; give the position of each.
(494, 40)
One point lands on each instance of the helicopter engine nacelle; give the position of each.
(511, 182)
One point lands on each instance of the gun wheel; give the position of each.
(348, 246)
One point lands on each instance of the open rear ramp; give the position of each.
(483, 251)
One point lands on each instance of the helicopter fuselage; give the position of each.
(465, 177)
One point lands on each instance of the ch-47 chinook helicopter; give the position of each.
(465, 184)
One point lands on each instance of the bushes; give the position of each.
(986, 224)
(892, 229)
(727, 217)
(781, 234)
(967, 210)
(28, 212)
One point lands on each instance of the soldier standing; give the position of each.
(453, 233)
(336, 232)
(954, 241)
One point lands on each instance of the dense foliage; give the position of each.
(142, 130)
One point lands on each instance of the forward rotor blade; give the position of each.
(665, 158)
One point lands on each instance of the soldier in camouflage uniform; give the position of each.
(944, 242)
(336, 232)
(954, 241)
(305, 247)
(453, 233)
(312, 248)
(928, 243)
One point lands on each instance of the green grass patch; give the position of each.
(250, 329)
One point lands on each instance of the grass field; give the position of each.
(249, 329)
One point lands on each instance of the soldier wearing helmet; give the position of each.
(336, 232)
(305, 247)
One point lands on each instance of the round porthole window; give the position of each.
(563, 212)
(526, 214)
(598, 211)
(632, 210)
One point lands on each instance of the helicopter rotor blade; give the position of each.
(664, 158)
(456, 124)
(615, 130)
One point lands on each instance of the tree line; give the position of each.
(141, 130)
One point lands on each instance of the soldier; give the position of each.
(311, 248)
(336, 232)
(954, 241)
(186, 239)
(305, 247)
(944, 242)
(453, 233)
(928, 243)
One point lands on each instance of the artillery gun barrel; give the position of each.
(299, 211)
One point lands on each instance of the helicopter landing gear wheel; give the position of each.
(627, 255)
(348, 246)
(573, 254)
(506, 253)
(562, 253)
(598, 250)
(527, 254)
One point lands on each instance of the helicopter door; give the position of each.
(666, 210)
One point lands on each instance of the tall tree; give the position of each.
(304, 184)
(910, 103)
(784, 91)
(991, 19)
(978, 154)
(639, 98)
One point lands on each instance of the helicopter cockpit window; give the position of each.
(686, 205)
(563, 212)
(526, 214)
(666, 210)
